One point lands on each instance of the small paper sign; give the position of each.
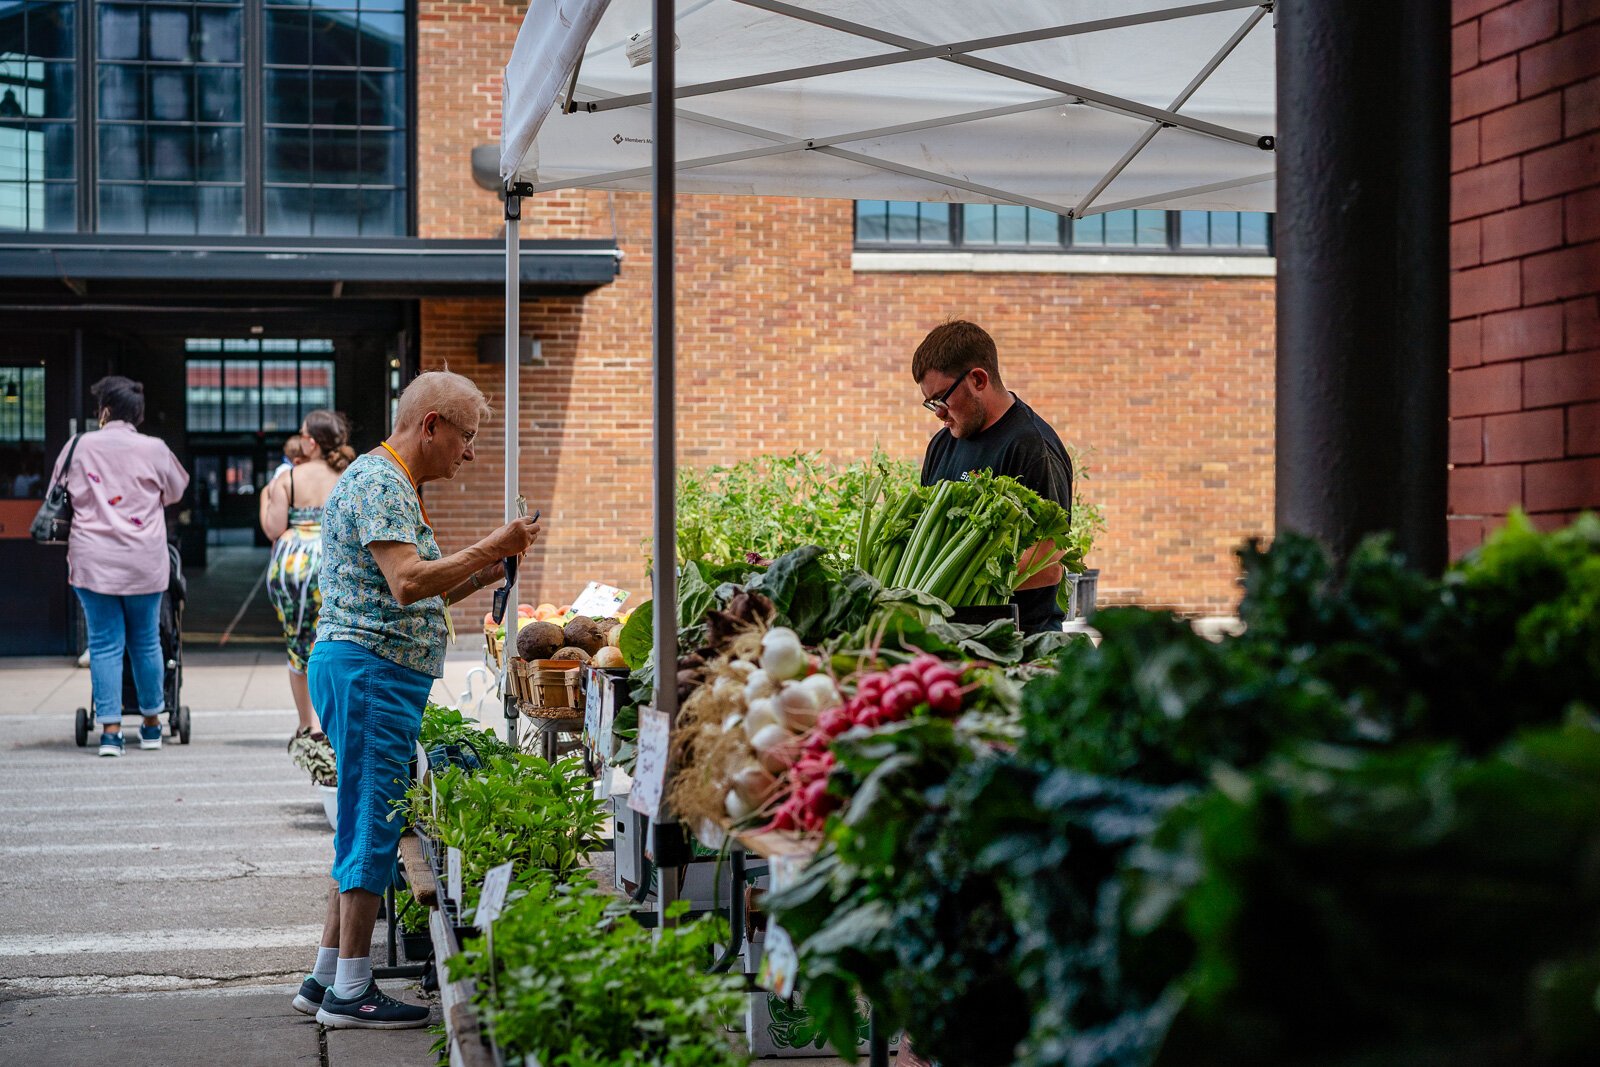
(779, 961)
(605, 747)
(452, 878)
(650, 771)
(591, 711)
(599, 601)
(493, 899)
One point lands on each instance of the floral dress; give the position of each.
(292, 580)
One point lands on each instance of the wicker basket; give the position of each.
(496, 647)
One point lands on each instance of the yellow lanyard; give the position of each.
(414, 487)
(449, 624)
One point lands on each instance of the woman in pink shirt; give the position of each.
(117, 561)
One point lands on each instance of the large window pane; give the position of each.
(203, 395)
(121, 208)
(383, 100)
(51, 33)
(219, 34)
(337, 212)
(288, 211)
(122, 152)
(383, 211)
(280, 395)
(316, 383)
(221, 209)
(121, 91)
(383, 159)
(333, 97)
(383, 39)
(121, 32)
(288, 37)
(169, 34)
(1253, 230)
(335, 158)
(288, 155)
(172, 153)
(217, 94)
(241, 395)
(288, 96)
(221, 155)
(170, 208)
(170, 97)
(335, 39)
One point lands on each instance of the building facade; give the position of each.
(258, 207)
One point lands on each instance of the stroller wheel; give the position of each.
(183, 724)
(81, 727)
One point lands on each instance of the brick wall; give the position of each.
(1166, 381)
(1525, 251)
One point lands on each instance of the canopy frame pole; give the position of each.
(1091, 97)
(515, 191)
(826, 146)
(913, 55)
(1179, 194)
(664, 577)
(1182, 98)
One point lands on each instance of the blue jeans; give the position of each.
(372, 713)
(116, 622)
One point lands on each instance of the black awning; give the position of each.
(97, 267)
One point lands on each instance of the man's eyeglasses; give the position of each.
(937, 404)
(465, 436)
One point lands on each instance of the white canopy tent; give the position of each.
(1070, 106)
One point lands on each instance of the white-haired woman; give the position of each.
(380, 644)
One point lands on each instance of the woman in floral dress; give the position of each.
(291, 514)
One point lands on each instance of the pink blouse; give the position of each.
(119, 482)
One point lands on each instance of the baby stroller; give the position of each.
(172, 656)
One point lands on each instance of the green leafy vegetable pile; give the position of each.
(1362, 833)
(770, 505)
(960, 541)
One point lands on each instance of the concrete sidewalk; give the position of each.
(166, 904)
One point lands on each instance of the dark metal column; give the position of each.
(1363, 273)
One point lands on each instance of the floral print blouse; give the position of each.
(374, 501)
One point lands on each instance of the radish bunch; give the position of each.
(881, 698)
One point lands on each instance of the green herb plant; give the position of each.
(575, 982)
(541, 816)
(770, 504)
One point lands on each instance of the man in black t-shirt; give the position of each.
(986, 426)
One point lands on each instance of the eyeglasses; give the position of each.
(938, 404)
(466, 437)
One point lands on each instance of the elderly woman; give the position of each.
(380, 644)
(117, 562)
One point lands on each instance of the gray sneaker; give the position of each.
(372, 1010)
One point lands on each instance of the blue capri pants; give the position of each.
(371, 711)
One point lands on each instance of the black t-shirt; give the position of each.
(1021, 446)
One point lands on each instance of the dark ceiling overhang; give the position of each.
(98, 267)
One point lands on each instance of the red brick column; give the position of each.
(1525, 250)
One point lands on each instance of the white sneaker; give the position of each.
(83, 660)
(150, 736)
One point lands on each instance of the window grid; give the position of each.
(238, 392)
(21, 404)
(207, 116)
(335, 118)
(38, 106)
(169, 126)
(887, 225)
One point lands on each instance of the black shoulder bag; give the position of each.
(54, 521)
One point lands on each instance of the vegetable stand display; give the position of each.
(1162, 849)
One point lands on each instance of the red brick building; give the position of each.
(1525, 250)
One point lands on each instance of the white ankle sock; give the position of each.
(351, 977)
(327, 961)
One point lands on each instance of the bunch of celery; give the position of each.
(958, 541)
